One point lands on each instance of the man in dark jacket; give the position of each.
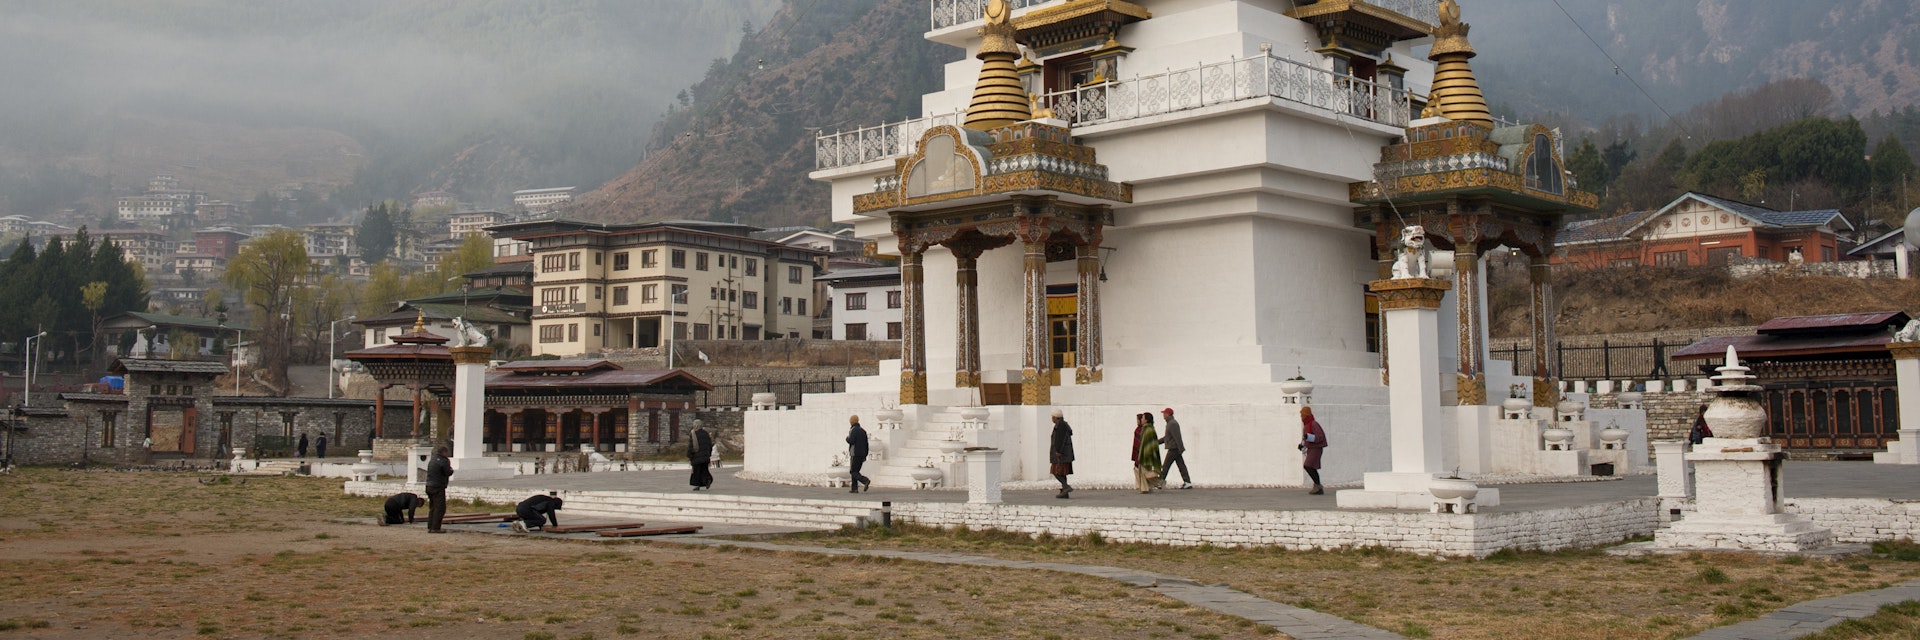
(439, 471)
(401, 502)
(1060, 453)
(1176, 449)
(537, 512)
(320, 446)
(857, 454)
(300, 448)
(700, 455)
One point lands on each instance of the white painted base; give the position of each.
(480, 468)
(1389, 490)
(1767, 532)
(1906, 450)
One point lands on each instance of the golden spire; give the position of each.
(1456, 94)
(420, 323)
(998, 98)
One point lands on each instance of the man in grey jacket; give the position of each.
(439, 470)
(1176, 450)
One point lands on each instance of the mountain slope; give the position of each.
(742, 149)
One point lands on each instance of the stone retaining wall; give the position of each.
(1860, 520)
(1471, 535)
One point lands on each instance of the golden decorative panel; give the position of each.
(1409, 293)
(1904, 350)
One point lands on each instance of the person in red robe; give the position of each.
(1313, 440)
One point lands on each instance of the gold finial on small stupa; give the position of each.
(420, 323)
(1456, 94)
(998, 97)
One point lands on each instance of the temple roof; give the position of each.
(1797, 336)
(505, 379)
(142, 365)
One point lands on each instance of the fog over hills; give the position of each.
(374, 97)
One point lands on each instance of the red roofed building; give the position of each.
(1698, 229)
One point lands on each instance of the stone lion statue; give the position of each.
(468, 334)
(1909, 333)
(1412, 260)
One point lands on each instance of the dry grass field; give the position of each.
(1573, 595)
(125, 555)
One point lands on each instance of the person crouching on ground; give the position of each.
(401, 502)
(1146, 454)
(536, 513)
(1060, 453)
(1313, 439)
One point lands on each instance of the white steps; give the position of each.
(723, 508)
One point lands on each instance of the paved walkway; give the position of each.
(1813, 615)
(1304, 624)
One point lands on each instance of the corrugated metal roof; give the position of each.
(170, 366)
(570, 364)
(614, 378)
(1802, 324)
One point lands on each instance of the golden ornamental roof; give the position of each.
(998, 97)
(953, 164)
(1456, 93)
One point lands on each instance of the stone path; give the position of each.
(1813, 615)
(1304, 624)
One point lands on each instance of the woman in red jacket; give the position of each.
(1313, 439)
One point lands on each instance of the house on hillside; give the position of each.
(1698, 229)
(865, 304)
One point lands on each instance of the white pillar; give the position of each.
(1414, 396)
(469, 409)
(983, 476)
(1900, 259)
(1671, 464)
(1906, 371)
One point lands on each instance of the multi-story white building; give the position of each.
(329, 240)
(540, 200)
(148, 208)
(466, 223)
(602, 286)
(866, 304)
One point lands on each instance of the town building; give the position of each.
(219, 242)
(433, 199)
(151, 249)
(1698, 229)
(542, 200)
(500, 311)
(328, 241)
(198, 263)
(865, 304)
(466, 223)
(600, 286)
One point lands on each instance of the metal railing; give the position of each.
(1264, 76)
(740, 394)
(947, 13)
(1607, 361)
(880, 142)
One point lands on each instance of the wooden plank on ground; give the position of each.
(585, 528)
(645, 531)
(471, 518)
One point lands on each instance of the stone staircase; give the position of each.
(722, 508)
(939, 442)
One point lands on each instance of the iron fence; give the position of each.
(740, 394)
(1606, 361)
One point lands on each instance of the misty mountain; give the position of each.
(1535, 60)
(366, 98)
(742, 152)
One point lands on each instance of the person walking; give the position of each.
(1146, 455)
(1060, 453)
(1700, 431)
(1313, 440)
(700, 455)
(439, 471)
(300, 450)
(1176, 449)
(320, 446)
(856, 454)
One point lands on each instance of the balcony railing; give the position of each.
(947, 13)
(1427, 11)
(880, 142)
(1265, 76)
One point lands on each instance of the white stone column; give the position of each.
(470, 460)
(1410, 307)
(983, 476)
(1900, 259)
(1670, 463)
(1906, 371)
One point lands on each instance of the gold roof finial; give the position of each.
(420, 323)
(998, 97)
(1456, 94)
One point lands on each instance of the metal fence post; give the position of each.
(1606, 359)
(1559, 359)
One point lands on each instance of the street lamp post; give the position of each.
(333, 339)
(27, 386)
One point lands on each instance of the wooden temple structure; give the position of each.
(1828, 380)
(537, 405)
